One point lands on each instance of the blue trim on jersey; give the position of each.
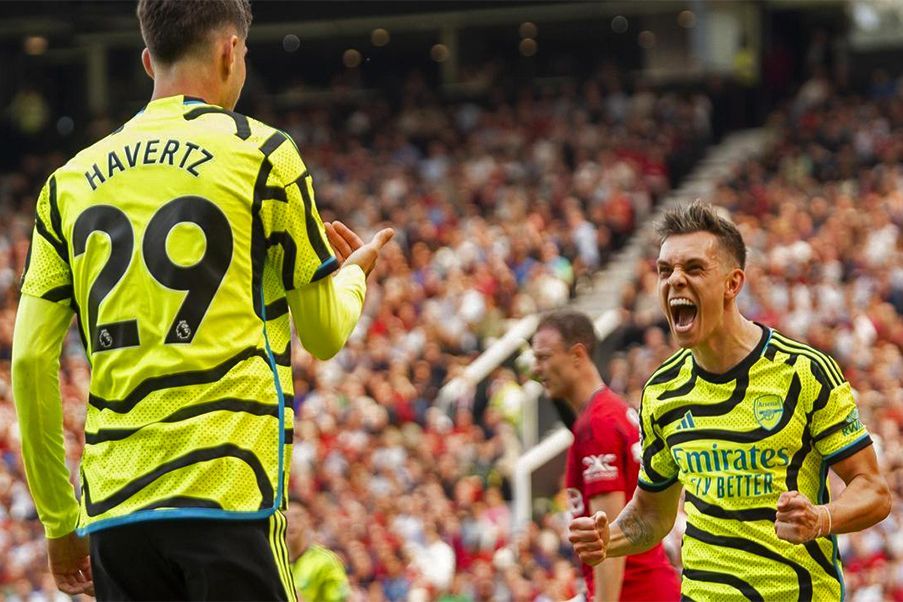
(768, 340)
(279, 400)
(214, 513)
(823, 483)
(846, 447)
(171, 513)
(824, 498)
(326, 268)
(836, 560)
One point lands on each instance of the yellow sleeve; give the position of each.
(836, 429)
(296, 239)
(47, 273)
(41, 326)
(326, 311)
(658, 470)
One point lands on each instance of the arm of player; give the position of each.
(866, 501)
(325, 312)
(643, 522)
(41, 326)
(608, 576)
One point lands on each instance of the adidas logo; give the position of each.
(687, 422)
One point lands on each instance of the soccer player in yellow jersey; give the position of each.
(746, 422)
(185, 243)
(318, 573)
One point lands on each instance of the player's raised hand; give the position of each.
(342, 239)
(589, 536)
(349, 247)
(367, 255)
(70, 564)
(798, 520)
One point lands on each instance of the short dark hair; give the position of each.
(573, 326)
(700, 216)
(173, 28)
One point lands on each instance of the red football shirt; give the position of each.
(605, 457)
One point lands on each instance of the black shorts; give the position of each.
(193, 559)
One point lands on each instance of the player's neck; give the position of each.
(179, 81)
(729, 345)
(296, 549)
(584, 388)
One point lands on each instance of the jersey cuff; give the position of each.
(326, 268)
(61, 295)
(661, 486)
(845, 452)
(829, 431)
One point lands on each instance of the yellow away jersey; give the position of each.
(736, 441)
(175, 239)
(319, 576)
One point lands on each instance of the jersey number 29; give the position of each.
(200, 280)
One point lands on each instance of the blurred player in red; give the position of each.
(603, 462)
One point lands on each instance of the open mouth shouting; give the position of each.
(683, 314)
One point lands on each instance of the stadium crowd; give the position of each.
(500, 209)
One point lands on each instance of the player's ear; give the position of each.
(578, 351)
(734, 284)
(230, 49)
(148, 64)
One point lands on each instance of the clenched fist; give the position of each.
(589, 535)
(798, 520)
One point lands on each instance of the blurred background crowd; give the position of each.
(505, 203)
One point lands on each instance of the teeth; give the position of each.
(681, 301)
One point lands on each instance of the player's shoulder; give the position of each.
(606, 402)
(267, 137)
(241, 129)
(91, 154)
(203, 125)
(669, 370)
(229, 126)
(786, 351)
(325, 555)
(279, 148)
(609, 409)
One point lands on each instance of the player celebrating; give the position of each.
(746, 421)
(603, 462)
(182, 242)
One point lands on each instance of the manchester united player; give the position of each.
(603, 461)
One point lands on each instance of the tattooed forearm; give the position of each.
(635, 529)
